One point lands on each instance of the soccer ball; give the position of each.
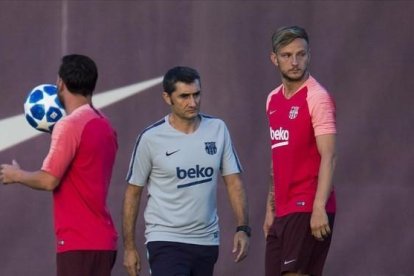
(43, 108)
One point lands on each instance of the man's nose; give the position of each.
(294, 60)
(192, 101)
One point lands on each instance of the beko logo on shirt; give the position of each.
(199, 173)
(196, 172)
(280, 136)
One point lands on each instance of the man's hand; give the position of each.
(8, 172)
(132, 262)
(240, 245)
(319, 224)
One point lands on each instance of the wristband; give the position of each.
(244, 228)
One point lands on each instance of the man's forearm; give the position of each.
(326, 148)
(130, 212)
(38, 180)
(270, 205)
(238, 198)
(324, 188)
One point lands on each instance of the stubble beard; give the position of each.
(60, 97)
(295, 79)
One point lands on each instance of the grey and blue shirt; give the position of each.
(181, 172)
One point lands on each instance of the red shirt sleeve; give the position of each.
(65, 141)
(322, 111)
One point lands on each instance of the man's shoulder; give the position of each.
(210, 117)
(275, 90)
(154, 127)
(315, 87)
(212, 120)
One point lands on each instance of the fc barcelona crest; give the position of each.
(293, 113)
(211, 148)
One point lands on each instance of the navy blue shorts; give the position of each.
(181, 259)
(290, 246)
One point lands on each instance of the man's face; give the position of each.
(293, 60)
(185, 100)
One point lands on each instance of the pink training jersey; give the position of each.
(294, 123)
(82, 154)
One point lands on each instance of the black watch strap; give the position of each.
(245, 228)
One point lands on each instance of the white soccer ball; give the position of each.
(43, 107)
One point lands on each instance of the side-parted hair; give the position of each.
(179, 74)
(79, 73)
(285, 35)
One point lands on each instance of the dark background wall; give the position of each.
(361, 51)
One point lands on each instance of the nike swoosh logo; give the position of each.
(288, 262)
(18, 130)
(194, 183)
(170, 153)
(272, 111)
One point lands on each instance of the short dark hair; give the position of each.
(179, 74)
(79, 73)
(285, 35)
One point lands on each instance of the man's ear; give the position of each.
(59, 84)
(273, 58)
(166, 98)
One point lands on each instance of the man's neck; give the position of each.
(186, 126)
(291, 87)
(75, 102)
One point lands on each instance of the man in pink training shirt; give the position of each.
(301, 202)
(78, 171)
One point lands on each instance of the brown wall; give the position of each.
(361, 51)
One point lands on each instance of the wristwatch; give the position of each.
(245, 228)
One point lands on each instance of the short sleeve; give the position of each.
(322, 111)
(140, 164)
(63, 147)
(230, 162)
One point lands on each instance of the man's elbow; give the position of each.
(47, 181)
(50, 186)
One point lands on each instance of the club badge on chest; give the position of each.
(293, 113)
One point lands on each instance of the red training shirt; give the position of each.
(294, 123)
(81, 155)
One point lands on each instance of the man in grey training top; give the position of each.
(179, 159)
